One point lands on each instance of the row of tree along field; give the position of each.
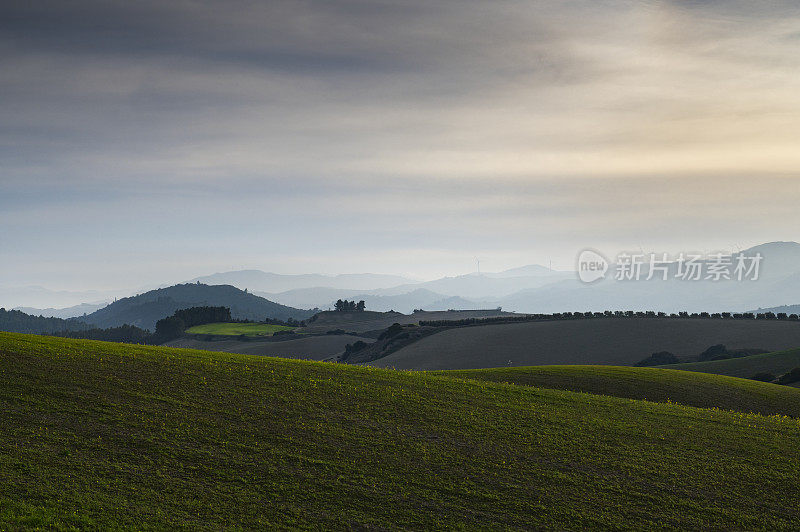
(782, 316)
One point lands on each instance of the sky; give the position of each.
(150, 142)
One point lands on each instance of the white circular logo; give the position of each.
(592, 266)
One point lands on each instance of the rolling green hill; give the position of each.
(651, 384)
(101, 435)
(236, 329)
(776, 363)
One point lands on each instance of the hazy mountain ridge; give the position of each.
(420, 298)
(260, 281)
(39, 297)
(63, 313)
(531, 288)
(469, 291)
(778, 283)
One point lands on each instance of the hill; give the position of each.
(325, 298)
(787, 309)
(375, 321)
(776, 363)
(317, 347)
(609, 341)
(145, 309)
(486, 286)
(107, 436)
(17, 321)
(651, 384)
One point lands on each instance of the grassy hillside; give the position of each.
(237, 329)
(144, 310)
(612, 341)
(776, 363)
(652, 384)
(99, 435)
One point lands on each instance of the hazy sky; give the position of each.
(150, 141)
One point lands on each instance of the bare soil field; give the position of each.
(614, 341)
(306, 347)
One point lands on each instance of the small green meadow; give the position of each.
(238, 329)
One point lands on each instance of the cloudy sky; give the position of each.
(150, 142)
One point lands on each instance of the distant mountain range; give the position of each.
(144, 310)
(531, 288)
(538, 289)
(256, 280)
(64, 313)
(384, 292)
(420, 298)
(778, 284)
(41, 298)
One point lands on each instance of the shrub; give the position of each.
(349, 349)
(659, 359)
(790, 377)
(715, 352)
(393, 330)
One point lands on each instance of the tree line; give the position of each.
(349, 306)
(781, 316)
(20, 322)
(126, 334)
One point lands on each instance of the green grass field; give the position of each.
(776, 363)
(109, 436)
(238, 329)
(652, 384)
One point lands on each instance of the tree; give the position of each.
(169, 328)
(348, 306)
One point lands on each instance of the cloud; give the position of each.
(526, 128)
